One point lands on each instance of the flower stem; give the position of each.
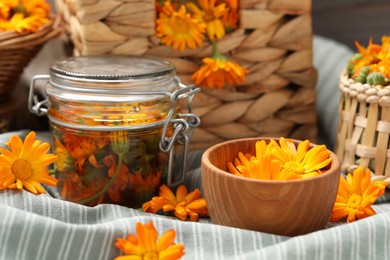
(101, 192)
(216, 54)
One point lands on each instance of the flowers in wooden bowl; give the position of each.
(289, 189)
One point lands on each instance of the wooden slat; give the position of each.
(369, 135)
(382, 144)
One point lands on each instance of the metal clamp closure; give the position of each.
(36, 106)
(183, 129)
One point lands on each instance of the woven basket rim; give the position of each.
(12, 40)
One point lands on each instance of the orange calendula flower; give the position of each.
(211, 14)
(25, 164)
(230, 19)
(23, 16)
(263, 167)
(121, 179)
(215, 73)
(383, 67)
(281, 161)
(371, 65)
(82, 148)
(184, 205)
(63, 156)
(301, 161)
(147, 245)
(178, 29)
(145, 187)
(355, 196)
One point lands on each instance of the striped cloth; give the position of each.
(42, 227)
(45, 227)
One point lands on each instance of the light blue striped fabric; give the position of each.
(329, 58)
(43, 227)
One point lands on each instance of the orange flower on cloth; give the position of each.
(355, 196)
(147, 245)
(184, 205)
(23, 16)
(24, 165)
(219, 71)
(178, 29)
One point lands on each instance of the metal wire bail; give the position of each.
(183, 129)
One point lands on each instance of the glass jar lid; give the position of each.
(116, 68)
(111, 78)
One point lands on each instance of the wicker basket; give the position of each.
(274, 41)
(17, 50)
(364, 127)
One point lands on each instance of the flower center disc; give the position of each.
(21, 169)
(209, 15)
(150, 256)
(179, 25)
(354, 201)
(297, 167)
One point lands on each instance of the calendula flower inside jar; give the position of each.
(116, 123)
(371, 64)
(119, 167)
(281, 161)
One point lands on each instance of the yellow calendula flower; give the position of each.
(383, 67)
(25, 164)
(23, 16)
(281, 161)
(300, 161)
(63, 156)
(371, 65)
(147, 245)
(184, 205)
(217, 72)
(211, 14)
(178, 29)
(262, 167)
(355, 196)
(230, 19)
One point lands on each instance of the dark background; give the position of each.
(350, 20)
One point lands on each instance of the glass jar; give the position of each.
(116, 122)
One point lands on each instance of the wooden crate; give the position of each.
(273, 41)
(364, 127)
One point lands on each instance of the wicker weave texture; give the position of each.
(273, 41)
(364, 127)
(17, 50)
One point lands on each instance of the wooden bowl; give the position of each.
(289, 208)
